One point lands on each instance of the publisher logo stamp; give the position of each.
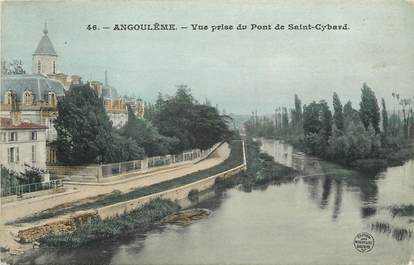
(364, 242)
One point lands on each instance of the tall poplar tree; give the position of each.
(384, 117)
(338, 112)
(369, 109)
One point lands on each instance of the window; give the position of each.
(39, 67)
(13, 154)
(8, 98)
(33, 153)
(12, 136)
(28, 97)
(54, 67)
(3, 137)
(52, 99)
(34, 136)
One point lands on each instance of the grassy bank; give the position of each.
(261, 170)
(115, 227)
(235, 158)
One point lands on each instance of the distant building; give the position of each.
(36, 95)
(44, 60)
(22, 143)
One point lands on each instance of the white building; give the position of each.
(22, 143)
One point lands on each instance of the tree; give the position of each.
(285, 118)
(317, 126)
(369, 110)
(297, 113)
(311, 121)
(209, 127)
(83, 127)
(147, 136)
(384, 117)
(183, 118)
(14, 67)
(338, 113)
(326, 119)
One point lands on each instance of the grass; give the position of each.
(261, 170)
(235, 159)
(115, 227)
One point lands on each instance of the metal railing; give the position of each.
(33, 187)
(114, 169)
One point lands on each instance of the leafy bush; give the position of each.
(193, 195)
(114, 227)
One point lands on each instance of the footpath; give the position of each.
(83, 193)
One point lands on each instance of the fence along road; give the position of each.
(12, 211)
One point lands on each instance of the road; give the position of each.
(18, 209)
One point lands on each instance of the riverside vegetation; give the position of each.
(114, 227)
(261, 170)
(367, 139)
(235, 159)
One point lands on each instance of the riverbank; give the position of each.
(262, 169)
(113, 228)
(395, 153)
(99, 212)
(333, 207)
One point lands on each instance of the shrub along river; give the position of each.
(310, 220)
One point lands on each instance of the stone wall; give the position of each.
(56, 227)
(70, 223)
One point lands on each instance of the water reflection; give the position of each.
(397, 233)
(322, 182)
(318, 214)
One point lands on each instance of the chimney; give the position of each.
(16, 117)
(15, 114)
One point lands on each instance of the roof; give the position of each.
(45, 46)
(39, 84)
(109, 92)
(6, 123)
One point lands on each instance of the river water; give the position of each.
(311, 220)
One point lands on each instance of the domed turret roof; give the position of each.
(45, 46)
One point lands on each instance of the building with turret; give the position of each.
(37, 94)
(45, 58)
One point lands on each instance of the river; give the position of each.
(311, 220)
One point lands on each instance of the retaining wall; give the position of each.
(68, 224)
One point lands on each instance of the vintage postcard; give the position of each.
(207, 132)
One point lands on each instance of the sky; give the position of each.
(240, 71)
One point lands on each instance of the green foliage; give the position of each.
(384, 117)
(338, 112)
(147, 136)
(369, 109)
(9, 178)
(115, 227)
(350, 137)
(317, 126)
(193, 195)
(297, 113)
(193, 124)
(124, 148)
(85, 133)
(32, 175)
(84, 129)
